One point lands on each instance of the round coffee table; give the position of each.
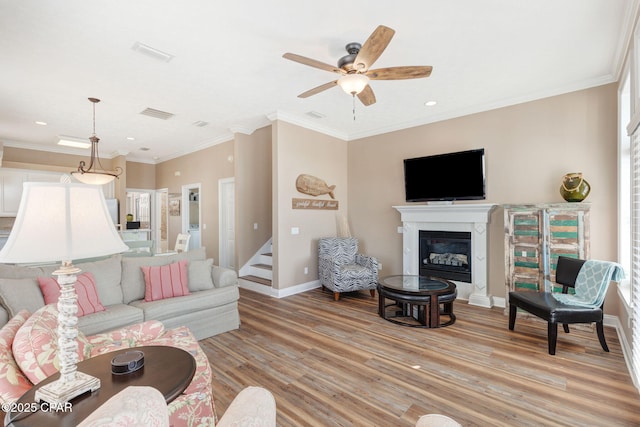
(411, 295)
(168, 369)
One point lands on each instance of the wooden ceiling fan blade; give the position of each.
(318, 89)
(312, 63)
(367, 97)
(373, 48)
(400, 73)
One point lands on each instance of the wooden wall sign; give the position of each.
(314, 204)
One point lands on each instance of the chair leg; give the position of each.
(512, 316)
(373, 293)
(336, 296)
(603, 342)
(566, 328)
(552, 332)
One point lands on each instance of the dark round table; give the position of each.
(168, 369)
(412, 295)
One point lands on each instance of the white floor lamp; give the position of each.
(63, 222)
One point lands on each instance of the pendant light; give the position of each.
(91, 175)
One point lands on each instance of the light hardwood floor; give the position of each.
(334, 363)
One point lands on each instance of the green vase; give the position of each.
(574, 187)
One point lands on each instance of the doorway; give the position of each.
(139, 215)
(191, 214)
(162, 222)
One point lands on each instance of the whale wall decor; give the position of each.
(313, 186)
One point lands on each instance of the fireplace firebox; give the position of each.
(445, 254)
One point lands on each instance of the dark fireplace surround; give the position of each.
(445, 254)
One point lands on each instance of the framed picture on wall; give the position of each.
(174, 207)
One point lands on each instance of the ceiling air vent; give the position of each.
(315, 115)
(151, 112)
(200, 123)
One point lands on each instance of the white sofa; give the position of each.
(210, 308)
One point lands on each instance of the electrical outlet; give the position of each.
(306, 270)
(379, 266)
(255, 225)
(400, 229)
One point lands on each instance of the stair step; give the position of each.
(265, 259)
(257, 279)
(264, 271)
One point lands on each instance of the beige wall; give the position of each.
(253, 192)
(529, 147)
(23, 158)
(297, 151)
(206, 167)
(141, 176)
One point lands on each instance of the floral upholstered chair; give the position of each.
(342, 269)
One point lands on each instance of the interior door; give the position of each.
(227, 245)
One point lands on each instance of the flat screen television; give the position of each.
(445, 177)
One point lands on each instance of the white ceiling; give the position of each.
(228, 68)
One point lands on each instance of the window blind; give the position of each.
(635, 252)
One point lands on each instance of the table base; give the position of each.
(416, 316)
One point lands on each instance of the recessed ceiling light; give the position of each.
(145, 148)
(430, 103)
(41, 123)
(152, 52)
(130, 138)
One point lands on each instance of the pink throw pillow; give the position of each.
(88, 301)
(165, 281)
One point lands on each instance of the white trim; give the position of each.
(278, 293)
(625, 345)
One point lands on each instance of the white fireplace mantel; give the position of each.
(470, 217)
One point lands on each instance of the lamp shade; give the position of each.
(93, 178)
(61, 222)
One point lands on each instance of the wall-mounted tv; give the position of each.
(446, 177)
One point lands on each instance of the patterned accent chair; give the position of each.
(342, 269)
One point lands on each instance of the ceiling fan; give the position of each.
(355, 71)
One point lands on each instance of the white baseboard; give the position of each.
(278, 293)
(614, 321)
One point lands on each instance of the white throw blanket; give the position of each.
(592, 283)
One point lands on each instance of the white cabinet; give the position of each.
(11, 181)
(135, 235)
(11, 192)
(194, 240)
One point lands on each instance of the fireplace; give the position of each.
(469, 218)
(445, 254)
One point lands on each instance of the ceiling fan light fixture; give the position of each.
(354, 83)
(90, 175)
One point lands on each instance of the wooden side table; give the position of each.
(168, 369)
